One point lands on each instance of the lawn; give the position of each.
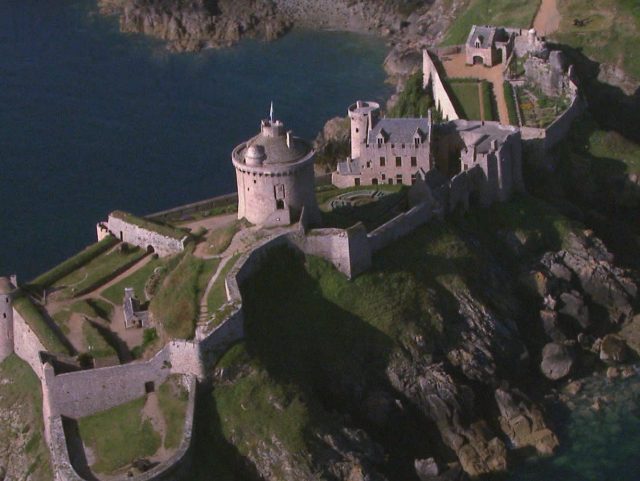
(177, 301)
(91, 308)
(173, 398)
(611, 33)
(612, 145)
(137, 280)
(21, 422)
(97, 345)
(119, 436)
(99, 271)
(508, 13)
(467, 93)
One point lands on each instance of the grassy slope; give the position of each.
(118, 436)
(611, 34)
(177, 302)
(510, 13)
(173, 398)
(137, 280)
(21, 394)
(36, 321)
(309, 329)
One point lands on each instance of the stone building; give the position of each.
(134, 316)
(401, 151)
(488, 45)
(275, 176)
(6, 318)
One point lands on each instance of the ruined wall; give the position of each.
(138, 236)
(175, 467)
(400, 226)
(222, 336)
(560, 127)
(81, 393)
(440, 95)
(26, 344)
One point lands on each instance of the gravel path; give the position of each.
(547, 19)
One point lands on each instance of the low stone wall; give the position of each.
(399, 226)
(163, 245)
(26, 344)
(560, 127)
(178, 213)
(432, 77)
(175, 467)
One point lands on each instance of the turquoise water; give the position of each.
(599, 445)
(92, 120)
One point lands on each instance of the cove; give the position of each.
(92, 120)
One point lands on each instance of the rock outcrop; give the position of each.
(557, 361)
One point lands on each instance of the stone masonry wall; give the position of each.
(440, 96)
(26, 344)
(138, 236)
(399, 226)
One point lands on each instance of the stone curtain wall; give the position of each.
(399, 226)
(559, 129)
(440, 95)
(26, 344)
(176, 467)
(143, 238)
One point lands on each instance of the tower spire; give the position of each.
(271, 112)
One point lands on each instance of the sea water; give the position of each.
(93, 120)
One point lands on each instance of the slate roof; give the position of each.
(399, 131)
(484, 33)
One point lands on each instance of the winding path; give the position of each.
(547, 19)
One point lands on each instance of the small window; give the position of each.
(357, 130)
(374, 181)
(413, 179)
(414, 161)
(393, 146)
(390, 181)
(368, 164)
(383, 177)
(465, 166)
(254, 181)
(398, 161)
(417, 142)
(357, 181)
(403, 146)
(382, 161)
(399, 179)
(4, 314)
(380, 142)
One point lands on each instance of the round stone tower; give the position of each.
(6, 318)
(364, 116)
(275, 177)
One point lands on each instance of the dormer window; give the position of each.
(382, 137)
(380, 142)
(479, 41)
(417, 138)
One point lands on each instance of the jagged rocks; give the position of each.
(524, 423)
(630, 332)
(613, 349)
(573, 306)
(557, 361)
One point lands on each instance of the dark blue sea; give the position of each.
(92, 120)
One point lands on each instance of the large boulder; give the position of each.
(573, 306)
(523, 423)
(557, 361)
(613, 349)
(630, 332)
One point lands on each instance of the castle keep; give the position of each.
(403, 150)
(274, 171)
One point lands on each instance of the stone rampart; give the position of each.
(441, 97)
(560, 127)
(176, 467)
(163, 245)
(26, 344)
(399, 226)
(182, 211)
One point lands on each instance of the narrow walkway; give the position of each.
(152, 412)
(547, 19)
(204, 301)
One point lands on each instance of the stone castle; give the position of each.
(405, 150)
(446, 165)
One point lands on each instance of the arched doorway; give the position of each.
(150, 250)
(477, 60)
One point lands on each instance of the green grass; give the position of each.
(612, 145)
(611, 34)
(39, 325)
(413, 101)
(22, 394)
(507, 13)
(118, 436)
(177, 302)
(219, 240)
(467, 94)
(137, 280)
(73, 263)
(97, 345)
(511, 103)
(91, 308)
(173, 398)
(218, 292)
(325, 195)
(98, 271)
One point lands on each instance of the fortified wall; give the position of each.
(154, 237)
(432, 77)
